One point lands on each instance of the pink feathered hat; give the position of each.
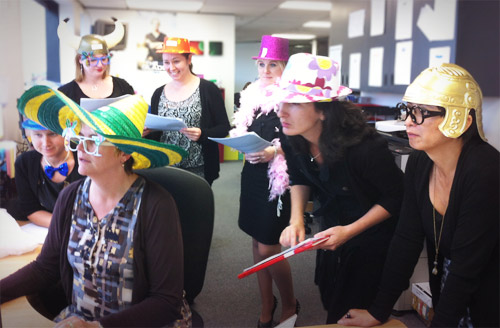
(273, 48)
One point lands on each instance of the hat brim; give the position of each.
(52, 109)
(287, 96)
(271, 58)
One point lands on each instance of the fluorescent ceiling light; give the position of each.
(307, 5)
(318, 24)
(165, 5)
(295, 36)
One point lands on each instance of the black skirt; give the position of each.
(258, 216)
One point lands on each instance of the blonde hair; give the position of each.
(79, 72)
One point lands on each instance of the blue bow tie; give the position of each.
(50, 170)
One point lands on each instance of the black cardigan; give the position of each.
(158, 261)
(214, 123)
(469, 239)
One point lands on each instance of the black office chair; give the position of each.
(195, 203)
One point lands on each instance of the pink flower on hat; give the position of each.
(326, 68)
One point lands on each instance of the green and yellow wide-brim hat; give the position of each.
(121, 123)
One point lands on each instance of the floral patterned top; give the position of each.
(189, 110)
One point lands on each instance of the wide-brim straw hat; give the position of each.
(308, 78)
(121, 123)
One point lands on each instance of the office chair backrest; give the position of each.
(195, 203)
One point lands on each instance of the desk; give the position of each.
(18, 312)
(390, 323)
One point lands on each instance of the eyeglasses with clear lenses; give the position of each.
(94, 61)
(90, 145)
(417, 113)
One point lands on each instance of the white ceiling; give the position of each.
(254, 18)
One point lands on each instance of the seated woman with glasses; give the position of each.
(92, 62)
(115, 242)
(450, 202)
(41, 174)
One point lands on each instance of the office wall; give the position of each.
(197, 27)
(246, 70)
(21, 57)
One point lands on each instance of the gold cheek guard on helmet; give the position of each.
(452, 87)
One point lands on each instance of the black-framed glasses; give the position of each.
(417, 113)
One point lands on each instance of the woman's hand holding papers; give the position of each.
(263, 156)
(193, 134)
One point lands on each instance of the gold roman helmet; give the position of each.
(91, 43)
(452, 87)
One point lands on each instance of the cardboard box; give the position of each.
(422, 301)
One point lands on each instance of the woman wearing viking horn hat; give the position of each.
(92, 61)
(450, 201)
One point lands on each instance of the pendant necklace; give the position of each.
(65, 159)
(437, 241)
(314, 157)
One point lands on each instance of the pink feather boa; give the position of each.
(253, 98)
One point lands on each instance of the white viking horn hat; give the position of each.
(110, 40)
(67, 36)
(113, 38)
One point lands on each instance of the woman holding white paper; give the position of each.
(198, 103)
(92, 79)
(264, 199)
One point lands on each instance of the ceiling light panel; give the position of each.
(165, 5)
(318, 24)
(307, 5)
(295, 36)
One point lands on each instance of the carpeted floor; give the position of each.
(227, 301)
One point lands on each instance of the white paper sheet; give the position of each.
(247, 143)
(335, 53)
(288, 323)
(402, 63)
(438, 24)
(404, 19)
(376, 66)
(36, 232)
(355, 70)
(92, 104)
(439, 55)
(356, 25)
(377, 21)
(155, 122)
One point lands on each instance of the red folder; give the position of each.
(299, 248)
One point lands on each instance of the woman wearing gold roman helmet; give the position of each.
(92, 61)
(451, 202)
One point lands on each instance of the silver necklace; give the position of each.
(437, 241)
(314, 157)
(65, 159)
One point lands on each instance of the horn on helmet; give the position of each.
(113, 38)
(67, 36)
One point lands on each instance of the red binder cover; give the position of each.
(299, 248)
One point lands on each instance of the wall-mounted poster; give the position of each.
(215, 48)
(197, 47)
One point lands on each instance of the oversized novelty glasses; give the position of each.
(90, 145)
(94, 61)
(417, 113)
